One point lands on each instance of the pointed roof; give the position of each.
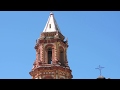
(51, 25)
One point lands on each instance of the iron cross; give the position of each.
(99, 68)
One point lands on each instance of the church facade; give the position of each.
(51, 54)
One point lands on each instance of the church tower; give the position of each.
(51, 54)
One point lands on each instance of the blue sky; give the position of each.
(93, 37)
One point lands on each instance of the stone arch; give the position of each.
(49, 45)
(49, 52)
(61, 48)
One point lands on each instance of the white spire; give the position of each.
(51, 25)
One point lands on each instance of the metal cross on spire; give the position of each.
(99, 68)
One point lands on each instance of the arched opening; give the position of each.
(62, 58)
(49, 56)
(49, 53)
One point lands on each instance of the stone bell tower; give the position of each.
(51, 54)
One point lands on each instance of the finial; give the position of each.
(51, 13)
(99, 69)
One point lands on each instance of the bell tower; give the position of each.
(51, 54)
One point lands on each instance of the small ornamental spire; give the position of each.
(57, 35)
(36, 40)
(67, 40)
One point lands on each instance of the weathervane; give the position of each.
(100, 68)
